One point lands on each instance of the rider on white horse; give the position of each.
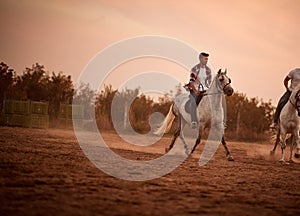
(200, 80)
(294, 77)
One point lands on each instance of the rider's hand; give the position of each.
(192, 86)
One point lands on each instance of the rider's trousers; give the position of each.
(282, 101)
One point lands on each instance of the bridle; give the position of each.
(229, 81)
(297, 98)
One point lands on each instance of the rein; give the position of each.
(227, 84)
(292, 104)
(205, 94)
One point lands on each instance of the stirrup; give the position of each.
(194, 125)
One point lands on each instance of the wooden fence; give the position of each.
(34, 114)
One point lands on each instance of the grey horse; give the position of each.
(210, 110)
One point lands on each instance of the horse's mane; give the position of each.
(213, 82)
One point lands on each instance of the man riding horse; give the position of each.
(294, 77)
(200, 80)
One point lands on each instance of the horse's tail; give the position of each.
(167, 123)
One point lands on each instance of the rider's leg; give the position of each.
(194, 120)
(282, 101)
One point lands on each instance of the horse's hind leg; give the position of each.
(283, 145)
(228, 155)
(177, 133)
(272, 152)
(197, 142)
(297, 153)
(293, 143)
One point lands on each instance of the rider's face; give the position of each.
(203, 60)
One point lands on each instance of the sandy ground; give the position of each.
(45, 172)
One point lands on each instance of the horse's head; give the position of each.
(225, 82)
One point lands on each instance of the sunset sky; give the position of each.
(257, 41)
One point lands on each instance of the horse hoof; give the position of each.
(297, 155)
(291, 161)
(230, 158)
(187, 152)
(284, 162)
(272, 152)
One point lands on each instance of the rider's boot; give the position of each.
(273, 125)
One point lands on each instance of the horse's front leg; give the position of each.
(228, 155)
(181, 136)
(297, 153)
(177, 133)
(186, 149)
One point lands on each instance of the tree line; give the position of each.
(36, 84)
(247, 118)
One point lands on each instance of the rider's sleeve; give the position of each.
(193, 75)
(213, 74)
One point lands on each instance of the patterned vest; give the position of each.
(195, 71)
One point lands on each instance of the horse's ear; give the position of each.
(225, 71)
(220, 70)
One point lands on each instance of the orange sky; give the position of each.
(257, 41)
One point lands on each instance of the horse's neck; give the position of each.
(214, 87)
(212, 102)
(215, 101)
(215, 94)
(290, 107)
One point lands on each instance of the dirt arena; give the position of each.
(44, 172)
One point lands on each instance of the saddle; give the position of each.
(187, 105)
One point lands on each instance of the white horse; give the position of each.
(289, 124)
(210, 107)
